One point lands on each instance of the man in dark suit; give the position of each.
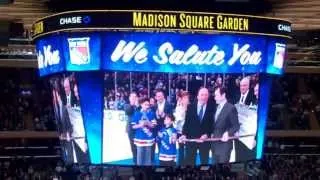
(225, 124)
(75, 133)
(63, 123)
(64, 127)
(56, 100)
(130, 109)
(69, 98)
(162, 108)
(198, 126)
(246, 96)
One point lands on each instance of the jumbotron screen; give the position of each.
(160, 88)
(163, 119)
(204, 125)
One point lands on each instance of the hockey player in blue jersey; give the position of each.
(168, 137)
(143, 122)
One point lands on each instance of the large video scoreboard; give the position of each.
(76, 48)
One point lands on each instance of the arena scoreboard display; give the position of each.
(75, 49)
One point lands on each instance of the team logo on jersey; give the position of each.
(79, 50)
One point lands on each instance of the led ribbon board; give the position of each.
(161, 52)
(50, 56)
(161, 20)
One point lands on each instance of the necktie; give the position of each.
(217, 112)
(68, 100)
(201, 113)
(59, 113)
(242, 99)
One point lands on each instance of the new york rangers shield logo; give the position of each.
(79, 50)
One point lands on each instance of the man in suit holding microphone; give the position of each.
(225, 125)
(198, 126)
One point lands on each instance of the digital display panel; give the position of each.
(71, 129)
(276, 56)
(50, 55)
(101, 127)
(169, 52)
(161, 52)
(155, 20)
(157, 128)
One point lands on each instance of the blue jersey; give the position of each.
(168, 149)
(144, 136)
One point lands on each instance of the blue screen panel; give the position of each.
(276, 56)
(82, 51)
(193, 53)
(118, 119)
(69, 119)
(91, 93)
(264, 96)
(50, 55)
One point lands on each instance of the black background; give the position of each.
(229, 6)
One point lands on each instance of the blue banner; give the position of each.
(50, 55)
(276, 56)
(193, 53)
(161, 52)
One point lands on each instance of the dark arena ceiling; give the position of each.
(231, 6)
(304, 48)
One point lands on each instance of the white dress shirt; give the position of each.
(243, 98)
(69, 100)
(161, 106)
